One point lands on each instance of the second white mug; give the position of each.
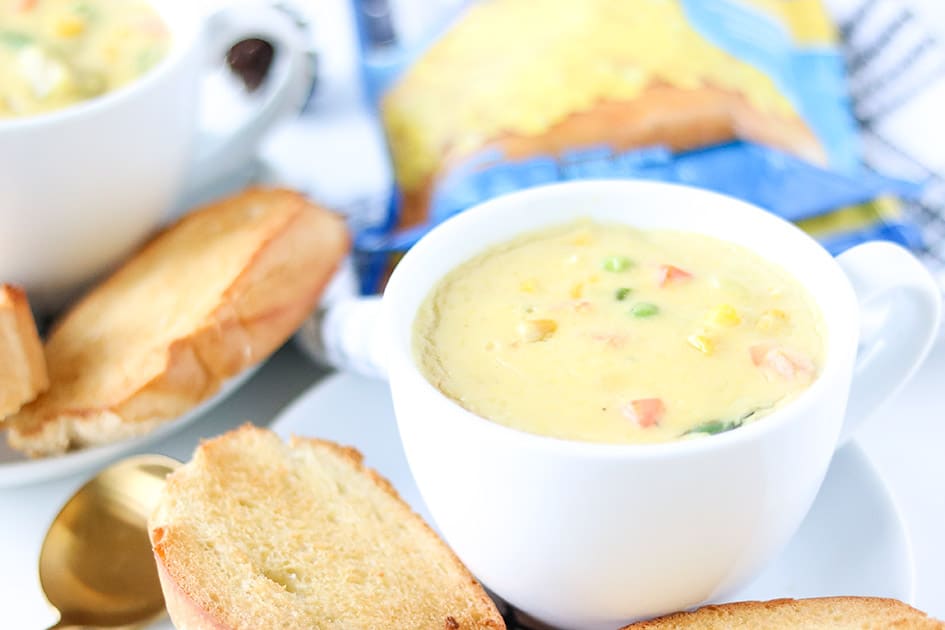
(81, 186)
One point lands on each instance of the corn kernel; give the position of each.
(531, 330)
(528, 286)
(69, 26)
(702, 343)
(772, 319)
(577, 290)
(581, 238)
(724, 315)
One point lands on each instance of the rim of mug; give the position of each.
(183, 33)
(405, 364)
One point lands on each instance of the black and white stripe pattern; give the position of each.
(893, 58)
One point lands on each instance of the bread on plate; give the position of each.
(22, 366)
(820, 613)
(207, 298)
(256, 533)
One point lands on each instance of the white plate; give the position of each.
(18, 470)
(853, 542)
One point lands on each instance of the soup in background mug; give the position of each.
(592, 535)
(54, 53)
(606, 333)
(88, 175)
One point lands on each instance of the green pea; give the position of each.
(616, 263)
(15, 39)
(84, 9)
(622, 293)
(147, 58)
(713, 427)
(644, 309)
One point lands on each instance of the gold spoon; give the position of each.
(96, 565)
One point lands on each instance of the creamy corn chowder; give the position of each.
(54, 53)
(606, 333)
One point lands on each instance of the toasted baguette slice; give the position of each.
(212, 295)
(254, 533)
(22, 365)
(823, 613)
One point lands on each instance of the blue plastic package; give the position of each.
(745, 97)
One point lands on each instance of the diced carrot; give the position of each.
(669, 274)
(784, 363)
(646, 412)
(758, 353)
(578, 306)
(780, 363)
(802, 363)
(24, 5)
(151, 26)
(611, 340)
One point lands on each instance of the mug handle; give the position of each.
(220, 155)
(346, 334)
(898, 293)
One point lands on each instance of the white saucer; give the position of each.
(853, 542)
(18, 470)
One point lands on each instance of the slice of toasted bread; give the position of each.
(821, 613)
(22, 365)
(210, 296)
(255, 533)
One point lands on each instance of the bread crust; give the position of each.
(23, 373)
(258, 311)
(901, 615)
(183, 608)
(663, 115)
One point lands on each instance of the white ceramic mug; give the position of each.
(81, 186)
(584, 535)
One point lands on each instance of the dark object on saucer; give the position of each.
(250, 60)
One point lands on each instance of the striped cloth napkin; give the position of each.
(896, 72)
